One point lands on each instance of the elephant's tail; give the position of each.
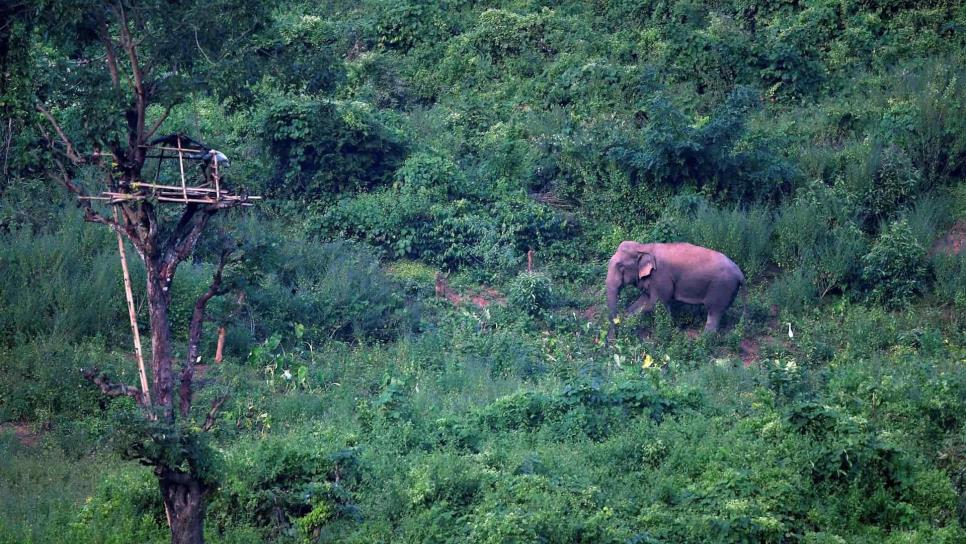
(744, 300)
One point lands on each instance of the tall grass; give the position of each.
(65, 284)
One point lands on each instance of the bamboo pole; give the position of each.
(129, 295)
(188, 149)
(217, 188)
(181, 166)
(196, 188)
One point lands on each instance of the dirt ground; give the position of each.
(22, 431)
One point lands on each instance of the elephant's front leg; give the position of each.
(642, 304)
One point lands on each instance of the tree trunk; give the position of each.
(161, 362)
(184, 499)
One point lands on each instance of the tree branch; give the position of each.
(157, 124)
(194, 333)
(136, 136)
(90, 215)
(212, 416)
(110, 388)
(70, 151)
(105, 38)
(179, 245)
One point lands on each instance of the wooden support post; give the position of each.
(217, 187)
(184, 186)
(530, 261)
(129, 295)
(157, 174)
(219, 351)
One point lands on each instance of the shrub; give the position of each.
(930, 213)
(501, 34)
(65, 284)
(894, 270)
(927, 119)
(337, 289)
(398, 221)
(712, 154)
(794, 291)
(431, 174)
(40, 380)
(474, 241)
(124, 505)
(799, 226)
(531, 293)
(446, 477)
(837, 261)
(322, 147)
(273, 482)
(882, 182)
(524, 410)
(950, 274)
(405, 25)
(815, 233)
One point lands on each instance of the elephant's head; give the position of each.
(632, 264)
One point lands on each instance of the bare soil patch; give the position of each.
(22, 431)
(481, 298)
(953, 242)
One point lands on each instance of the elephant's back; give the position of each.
(686, 256)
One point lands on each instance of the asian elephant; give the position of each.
(665, 272)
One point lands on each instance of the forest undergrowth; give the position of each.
(397, 372)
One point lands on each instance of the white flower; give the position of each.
(286, 374)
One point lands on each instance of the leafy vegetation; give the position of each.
(821, 145)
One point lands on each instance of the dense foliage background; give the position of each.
(821, 145)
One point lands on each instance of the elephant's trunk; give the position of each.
(613, 291)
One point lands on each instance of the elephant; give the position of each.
(678, 271)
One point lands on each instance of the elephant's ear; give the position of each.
(645, 265)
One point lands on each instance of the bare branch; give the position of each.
(130, 46)
(71, 152)
(194, 332)
(157, 124)
(212, 416)
(110, 388)
(201, 49)
(178, 247)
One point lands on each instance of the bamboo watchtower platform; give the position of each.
(181, 148)
(210, 190)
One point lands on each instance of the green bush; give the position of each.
(887, 181)
(531, 293)
(64, 284)
(399, 222)
(950, 282)
(336, 289)
(433, 175)
(794, 291)
(40, 380)
(274, 483)
(321, 147)
(895, 268)
(930, 214)
(405, 25)
(502, 34)
(926, 119)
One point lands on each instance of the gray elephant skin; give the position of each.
(680, 272)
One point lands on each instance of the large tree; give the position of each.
(106, 76)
